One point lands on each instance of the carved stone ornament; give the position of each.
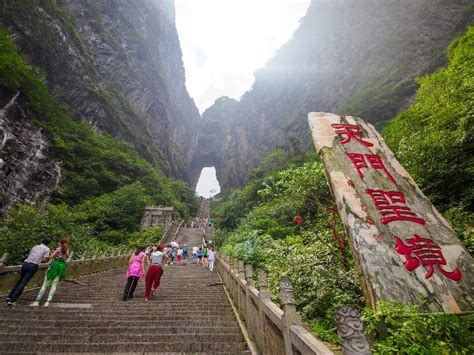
(286, 292)
(350, 330)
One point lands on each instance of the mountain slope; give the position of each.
(117, 65)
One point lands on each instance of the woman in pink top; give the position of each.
(135, 271)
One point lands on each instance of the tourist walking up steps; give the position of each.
(179, 256)
(55, 273)
(185, 253)
(205, 253)
(211, 257)
(155, 271)
(136, 268)
(38, 254)
(199, 255)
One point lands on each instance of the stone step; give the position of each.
(244, 352)
(152, 347)
(120, 308)
(131, 318)
(145, 329)
(121, 338)
(33, 323)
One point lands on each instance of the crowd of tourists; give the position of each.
(147, 262)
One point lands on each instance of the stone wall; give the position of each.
(157, 216)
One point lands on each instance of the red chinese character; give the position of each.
(422, 251)
(350, 131)
(360, 161)
(392, 206)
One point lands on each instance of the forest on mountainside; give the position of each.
(105, 183)
(434, 140)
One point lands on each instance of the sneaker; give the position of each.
(46, 304)
(146, 299)
(11, 303)
(34, 304)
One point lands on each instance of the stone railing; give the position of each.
(76, 268)
(175, 235)
(171, 232)
(276, 330)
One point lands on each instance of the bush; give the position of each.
(401, 329)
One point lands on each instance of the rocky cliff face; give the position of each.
(27, 174)
(357, 57)
(117, 65)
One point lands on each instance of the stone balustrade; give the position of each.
(274, 330)
(85, 265)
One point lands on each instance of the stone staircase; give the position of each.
(187, 315)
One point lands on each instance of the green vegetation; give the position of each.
(256, 226)
(434, 140)
(403, 329)
(105, 183)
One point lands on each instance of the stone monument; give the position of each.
(405, 250)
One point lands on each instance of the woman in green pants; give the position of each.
(55, 273)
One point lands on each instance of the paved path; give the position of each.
(186, 316)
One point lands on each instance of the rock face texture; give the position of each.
(117, 65)
(347, 57)
(27, 174)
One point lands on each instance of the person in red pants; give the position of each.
(155, 271)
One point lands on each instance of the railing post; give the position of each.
(235, 281)
(226, 271)
(350, 331)
(241, 291)
(3, 260)
(248, 299)
(241, 270)
(290, 316)
(249, 275)
(263, 295)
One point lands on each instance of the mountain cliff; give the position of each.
(346, 57)
(115, 65)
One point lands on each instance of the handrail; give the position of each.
(177, 231)
(276, 330)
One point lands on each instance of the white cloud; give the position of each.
(225, 41)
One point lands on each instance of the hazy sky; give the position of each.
(224, 42)
(207, 183)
